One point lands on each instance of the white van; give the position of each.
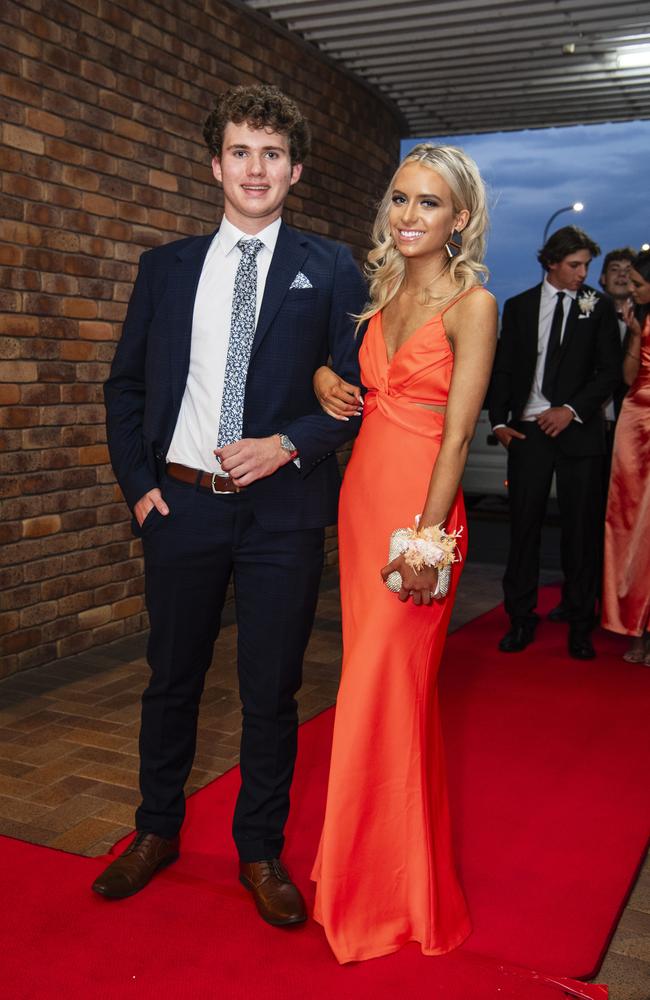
(486, 471)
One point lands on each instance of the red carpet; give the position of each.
(548, 761)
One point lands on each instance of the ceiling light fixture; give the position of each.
(634, 58)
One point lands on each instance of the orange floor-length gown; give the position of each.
(626, 579)
(385, 871)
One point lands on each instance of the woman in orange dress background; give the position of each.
(385, 871)
(626, 581)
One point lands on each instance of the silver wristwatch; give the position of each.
(287, 445)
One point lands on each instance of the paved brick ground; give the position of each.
(69, 758)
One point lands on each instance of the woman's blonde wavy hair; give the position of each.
(385, 266)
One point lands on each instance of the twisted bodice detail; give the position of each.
(416, 377)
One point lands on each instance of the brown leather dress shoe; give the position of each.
(136, 866)
(277, 899)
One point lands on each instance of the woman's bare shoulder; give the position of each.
(476, 309)
(479, 302)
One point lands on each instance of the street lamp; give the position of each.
(645, 246)
(576, 207)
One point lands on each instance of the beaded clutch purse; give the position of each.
(399, 541)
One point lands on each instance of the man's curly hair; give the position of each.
(261, 107)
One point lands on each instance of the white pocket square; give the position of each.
(301, 281)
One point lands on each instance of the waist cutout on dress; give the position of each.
(406, 411)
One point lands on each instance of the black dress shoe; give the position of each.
(517, 638)
(581, 647)
(277, 899)
(136, 866)
(558, 614)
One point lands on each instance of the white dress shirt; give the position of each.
(195, 434)
(537, 401)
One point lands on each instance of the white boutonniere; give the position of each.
(587, 303)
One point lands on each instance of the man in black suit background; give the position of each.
(615, 283)
(227, 463)
(558, 360)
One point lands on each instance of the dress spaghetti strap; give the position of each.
(458, 298)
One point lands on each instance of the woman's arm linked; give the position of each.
(337, 397)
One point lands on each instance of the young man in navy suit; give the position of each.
(227, 462)
(558, 360)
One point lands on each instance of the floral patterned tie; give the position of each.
(242, 331)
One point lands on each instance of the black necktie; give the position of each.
(552, 363)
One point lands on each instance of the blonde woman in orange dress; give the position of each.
(626, 580)
(385, 871)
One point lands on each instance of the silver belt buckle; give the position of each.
(215, 476)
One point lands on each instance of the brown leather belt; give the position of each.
(208, 480)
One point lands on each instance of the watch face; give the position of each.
(286, 443)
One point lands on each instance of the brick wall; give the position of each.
(102, 157)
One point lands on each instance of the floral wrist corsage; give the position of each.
(432, 546)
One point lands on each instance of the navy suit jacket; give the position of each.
(590, 367)
(297, 330)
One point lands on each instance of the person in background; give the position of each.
(558, 361)
(626, 578)
(615, 277)
(615, 282)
